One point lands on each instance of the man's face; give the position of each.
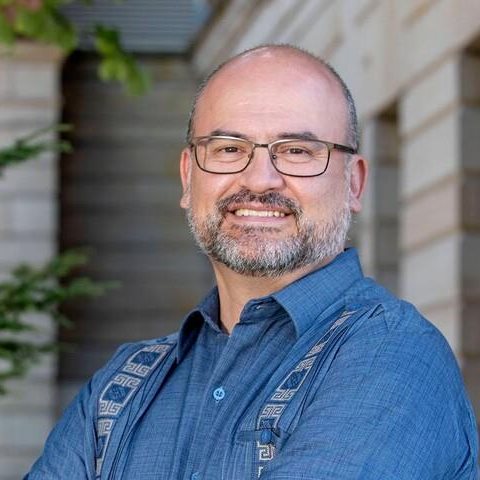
(260, 222)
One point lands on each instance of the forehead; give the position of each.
(265, 93)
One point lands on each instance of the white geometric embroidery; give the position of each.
(265, 452)
(316, 349)
(271, 413)
(104, 429)
(294, 380)
(344, 316)
(120, 390)
(270, 416)
(141, 363)
(116, 394)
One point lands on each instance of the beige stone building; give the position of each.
(414, 69)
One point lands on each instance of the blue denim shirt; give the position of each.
(330, 378)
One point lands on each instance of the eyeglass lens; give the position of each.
(291, 157)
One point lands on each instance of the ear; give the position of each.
(185, 175)
(358, 181)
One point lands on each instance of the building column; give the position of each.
(440, 217)
(28, 225)
(378, 232)
(470, 212)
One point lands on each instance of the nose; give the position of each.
(260, 175)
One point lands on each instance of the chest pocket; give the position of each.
(280, 413)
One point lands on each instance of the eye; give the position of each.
(230, 149)
(293, 149)
(226, 150)
(296, 150)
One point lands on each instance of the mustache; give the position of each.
(269, 199)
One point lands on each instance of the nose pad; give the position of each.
(261, 174)
(270, 157)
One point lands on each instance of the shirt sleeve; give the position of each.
(64, 452)
(69, 451)
(392, 406)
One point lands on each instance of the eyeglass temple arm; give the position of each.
(342, 148)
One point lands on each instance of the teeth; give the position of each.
(244, 212)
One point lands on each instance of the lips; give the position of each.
(268, 205)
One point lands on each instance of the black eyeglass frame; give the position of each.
(330, 146)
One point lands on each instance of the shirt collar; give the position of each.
(310, 295)
(303, 299)
(207, 311)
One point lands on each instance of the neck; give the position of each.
(236, 290)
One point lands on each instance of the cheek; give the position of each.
(200, 198)
(206, 189)
(325, 200)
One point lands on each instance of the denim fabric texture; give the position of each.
(330, 378)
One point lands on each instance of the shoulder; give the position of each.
(387, 312)
(394, 332)
(396, 363)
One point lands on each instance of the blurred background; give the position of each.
(414, 69)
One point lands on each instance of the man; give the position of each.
(295, 366)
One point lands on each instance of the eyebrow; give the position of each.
(228, 133)
(304, 135)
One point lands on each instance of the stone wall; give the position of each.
(413, 67)
(29, 100)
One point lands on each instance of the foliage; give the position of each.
(37, 290)
(43, 290)
(33, 145)
(43, 21)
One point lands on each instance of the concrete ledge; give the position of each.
(430, 96)
(32, 51)
(432, 214)
(431, 156)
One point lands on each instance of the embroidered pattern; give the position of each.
(145, 360)
(271, 413)
(270, 416)
(120, 389)
(104, 429)
(294, 380)
(117, 393)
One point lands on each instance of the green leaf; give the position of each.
(29, 147)
(118, 65)
(13, 324)
(7, 34)
(28, 23)
(46, 24)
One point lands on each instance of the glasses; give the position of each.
(293, 157)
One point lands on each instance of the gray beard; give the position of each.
(249, 250)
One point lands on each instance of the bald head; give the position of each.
(290, 58)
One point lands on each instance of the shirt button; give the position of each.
(266, 437)
(219, 394)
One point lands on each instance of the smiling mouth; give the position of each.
(245, 212)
